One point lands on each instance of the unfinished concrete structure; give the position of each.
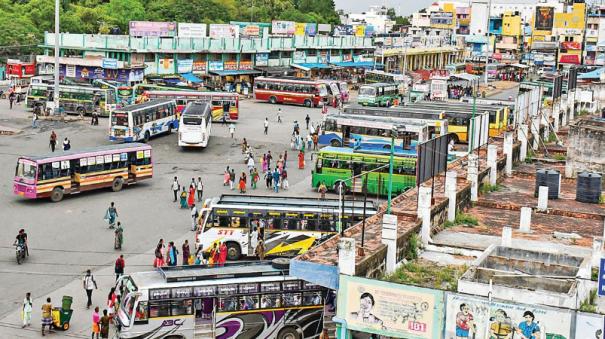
(521, 275)
(586, 147)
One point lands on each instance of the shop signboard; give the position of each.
(95, 72)
(189, 30)
(324, 28)
(341, 30)
(109, 63)
(215, 66)
(369, 31)
(151, 28)
(184, 66)
(389, 309)
(230, 65)
(544, 18)
(283, 27)
(218, 31)
(570, 59)
(299, 29)
(251, 29)
(347, 57)
(299, 57)
(262, 59)
(70, 71)
(335, 58)
(360, 31)
(245, 65)
(477, 317)
(199, 67)
(323, 57)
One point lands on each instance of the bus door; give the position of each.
(204, 310)
(346, 135)
(253, 235)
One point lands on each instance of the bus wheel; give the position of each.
(233, 251)
(337, 187)
(335, 143)
(81, 111)
(308, 103)
(65, 326)
(273, 100)
(117, 184)
(57, 194)
(288, 333)
(147, 136)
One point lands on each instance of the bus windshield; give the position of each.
(126, 309)
(26, 169)
(192, 120)
(323, 91)
(119, 119)
(371, 91)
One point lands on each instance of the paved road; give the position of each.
(69, 237)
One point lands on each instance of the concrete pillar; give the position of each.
(508, 150)
(535, 131)
(389, 238)
(472, 175)
(546, 124)
(597, 251)
(507, 236)
(492, 163)
(525, 221)
(424, 212)
(346, 256)
(543, 198)
(555, 115)
(572, 101)
(451, 188)
(522, 135)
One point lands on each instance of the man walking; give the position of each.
(276, 176)
(27, 310)
(89, 284)
(53, 140)
(307, 120)
(194, 216)
(47, 319)
(11, 99)
(176, 187)
(119, 266)
(231, 130)
(266, 124)
(269, 157)
(199, 187)
(34, 119)
(279, 115)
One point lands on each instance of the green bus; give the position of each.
(336, 165)
(74, 99)
(379, 94)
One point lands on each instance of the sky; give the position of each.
(407, 6)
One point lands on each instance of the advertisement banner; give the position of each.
(184, 66)
(283, 27)
(360, 31)
(151, 28)
(323, 57)
(166, 66)
(230, 65)
(544, 18)
(299, 57)
(262, 59)
(347, 57)
(109, 63)
(324, 28)
(90, 72)
(215, 66)
(369, 31)
(589, 325)
(571, 45)
(251, 29)
(199, 67)
(390, 309)
(476, 317)
(570, 59)
(218, 31)
(70, 71)
(299, 29)
(311, 29)
(245, 65)
(341, 30)
(187, 30)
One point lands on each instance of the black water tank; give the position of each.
(549, 178)
(588, 187)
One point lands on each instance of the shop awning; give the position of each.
(522, 66)
(191, 77)
(359, 64)
(272, 70)
(309, 66)
(236, 72)
(466, 76)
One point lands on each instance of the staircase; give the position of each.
(203, 330)
(357, 186)
(329, 325)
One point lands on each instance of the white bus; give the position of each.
(195, 124)
(142, 121)
(243, 300)
(288, 225)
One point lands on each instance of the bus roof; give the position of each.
(150, 103)
(291, 202)
(456, 106)
(376, 153)
(71, 154)
(378, 118)
(191, 93)
(380, 84)
(296, 80)
(409, 111)
(199, 108)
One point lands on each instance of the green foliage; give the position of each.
(589, 304)
(465, 219)
(602, 199)
(559, 157)
(583, 112)
(552, 137)
(530, 155)
(427, 274)
(594, 274)
(487, 188)
(411, 252)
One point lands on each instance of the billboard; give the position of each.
(432, 158)
(184, 66)
(369, 31)
(151, 28)
(215, 66)
(360, 31)
(474, 317)
(340, 30)
(251, 29)
(299, 29)
(218, 31)
(262, 59)
(589, 325)
(187, 30)
(283, 27)
(544, 18)
(324, 28)
(311, 29)
(390, 309)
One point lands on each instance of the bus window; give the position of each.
(276, 223)
(292, 299)
(141, 314)
(312, 298)
(240, 222)
(249, 302)
(311, 225)
(270, 301)
(182, 307)
(160, 309)
(293, 224)
(227, 304)
(326, 224)
(226, 105)
(224, 221)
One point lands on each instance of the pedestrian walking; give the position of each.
(231, 130)
(183, 199)
(199, 257)
(26, 311)
(284, 180)
(47, 319)
(89, 283)
(268, 179)
(105, 319)
(112, 299)
(279, 116)
(96, 320)
(315, 141)
(260, 249)
(34, 119)
(309, 141)
(264, 166)
(53, 141)
(276, 176)
(255, 178)
(186, 252)
(250, 163)
(322, 189)
(159, 258)
(199, 187)
(119, 266)
(242, 184)
(222, 254)
(226, 176)
(175, 187)
(214, 257)
(173, 254)
(307, 120)
(266, 125)
(269, 158)
(111, 215)
(285, 159)
(232, 178)
(194, 215)
(66, 145)
(301, 160)
(191, 196)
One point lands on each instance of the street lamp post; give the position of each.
(393, 135)
(57, 37)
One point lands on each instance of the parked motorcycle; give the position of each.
(20, 253)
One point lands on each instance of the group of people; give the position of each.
(169, 255)
(53, 142)
(459, 91)
(188, 195)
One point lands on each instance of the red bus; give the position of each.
(222, 103)
(292, 91)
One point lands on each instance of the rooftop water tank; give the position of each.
(551, 179)
(588, 187)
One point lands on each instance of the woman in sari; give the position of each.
(242, 184)
(184, 199)
(191, 198)
(301, 160)
(264, 163)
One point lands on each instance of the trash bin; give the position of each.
(66, 304)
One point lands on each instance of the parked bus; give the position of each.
(142, 121)
(379, 94)
(56, 174)
(289, 226)
(375, 76)
(240, 300)
(373, 132)
(223, 104)
(139, 89)
(344, 91)
(195, 125)
(81, 100)
(291, 91)
(334, 95)
(337, 165)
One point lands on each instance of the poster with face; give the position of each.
(477, 318)
(590, 326)
(544, 18)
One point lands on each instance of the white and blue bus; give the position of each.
(142, 121)
(195, 124)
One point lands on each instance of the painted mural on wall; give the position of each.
(390, 309)
(590, 326)
(478, 318)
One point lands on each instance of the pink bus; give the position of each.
(56, 174)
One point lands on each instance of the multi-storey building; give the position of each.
(569, 28)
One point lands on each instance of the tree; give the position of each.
(120, 12)
(24, 35)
